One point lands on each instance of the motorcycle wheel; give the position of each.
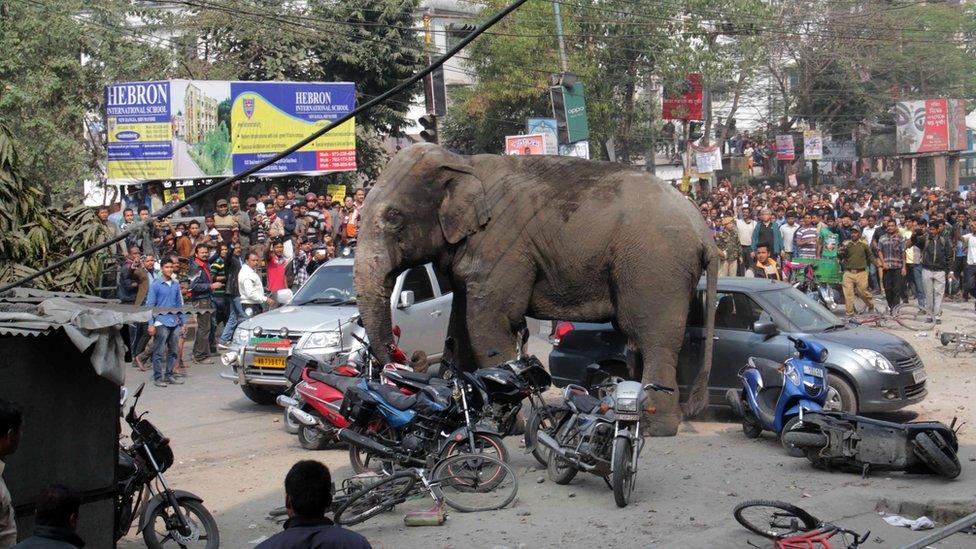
(792, 450)
(932, 449)
(539, 419)
(485, 443)
(624, 476)
(313, 437)
(560, 470)
(750, 425)
(362, 461)
(161, 530)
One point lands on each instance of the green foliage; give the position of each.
(32, 235)
(47, 93)
(212, 154)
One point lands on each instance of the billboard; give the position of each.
(192, 129)
(812, 145)
(548, 128)
(784, 147)
(930, 125)
(684, 101)
(839, 151)
(569, 110)
(525, 145)
(579, 149)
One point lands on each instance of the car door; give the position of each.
(440, 314)
(415, 321)
(735, 341)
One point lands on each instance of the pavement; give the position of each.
(235, 454)
(183, 163)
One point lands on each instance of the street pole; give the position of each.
(559, 35)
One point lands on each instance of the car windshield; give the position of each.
(328, 285)
(806, 314)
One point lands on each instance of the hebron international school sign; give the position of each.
(187, 129)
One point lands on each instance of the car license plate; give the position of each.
(919, 376)
(627, 416)
(270, 362)
(812, 371)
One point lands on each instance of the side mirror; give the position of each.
(764, 327)
(396, 330)
(406, 299)
(283, 296)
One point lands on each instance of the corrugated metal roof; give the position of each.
(26, 300)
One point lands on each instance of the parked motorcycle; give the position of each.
(168, 515)
(838, 440)
(774, 394)
(439, 419)
(601, 436)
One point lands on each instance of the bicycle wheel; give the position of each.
(774, 519)
(475, 482)
(376, 498)
(913, 317)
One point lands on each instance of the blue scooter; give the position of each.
(775, 395)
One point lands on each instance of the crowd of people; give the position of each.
(228, 265)
(871, 238)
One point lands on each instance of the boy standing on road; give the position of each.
(857, 255)
(166, 328)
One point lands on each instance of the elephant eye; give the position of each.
(393, 215)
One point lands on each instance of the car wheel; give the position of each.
(259, 395)
(840, 395)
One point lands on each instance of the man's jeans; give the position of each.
(168, 338)
(933, 286)
(916, 275)
(235, 314)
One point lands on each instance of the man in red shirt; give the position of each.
(276, 267)
(202, 286)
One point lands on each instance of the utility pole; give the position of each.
(559, 35)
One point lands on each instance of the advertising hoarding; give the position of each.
(192, 129)
(839, 151)
(525, 145)
(930, 125)
(812, 145)
(548, 128)
(684, 101)
(579, 149)
(784, 147)
(569, 110)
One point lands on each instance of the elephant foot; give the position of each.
(663, 425)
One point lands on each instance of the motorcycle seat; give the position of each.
(422, 378)
(342, 383)
(771, 371)
(585, 403)
(392, 396)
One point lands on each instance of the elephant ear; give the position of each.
(464, 209)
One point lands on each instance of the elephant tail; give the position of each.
(698, 396)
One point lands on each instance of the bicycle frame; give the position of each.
(819, 538)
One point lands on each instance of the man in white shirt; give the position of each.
(969, 274)
(745, 226)
(787, 230)
(251, 288)
(11, 417)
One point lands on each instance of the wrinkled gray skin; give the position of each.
(542, 236)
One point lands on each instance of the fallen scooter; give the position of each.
(838, 440)
(774, 394)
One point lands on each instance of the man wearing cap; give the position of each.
(243, 220)
(856, 256)
(224, 221)
(728, 247)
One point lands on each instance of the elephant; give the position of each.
(549, 237)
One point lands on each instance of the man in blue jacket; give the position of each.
(767, 232)
(308, 495)
(164, 293)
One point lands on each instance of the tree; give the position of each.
(57, 59)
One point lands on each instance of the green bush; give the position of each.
(212, 153)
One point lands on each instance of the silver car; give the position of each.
(320, 319)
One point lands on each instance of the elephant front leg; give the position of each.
(492, 329)
(660, 367)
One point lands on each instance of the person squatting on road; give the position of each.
(308, 495)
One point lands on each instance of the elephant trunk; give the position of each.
(374, 284)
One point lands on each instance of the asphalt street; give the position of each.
(235, 454)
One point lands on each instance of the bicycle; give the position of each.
(907, 315)
(960, 341)
(791, 527)
(489, 482)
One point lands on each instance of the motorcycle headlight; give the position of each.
(241, 335)
(321, 339)
(793, 375)
(877, 360)
(627, 404)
